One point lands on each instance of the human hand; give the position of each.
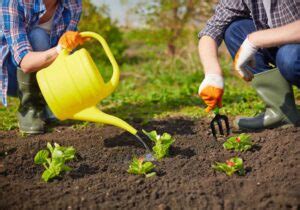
(211, 91)
(70, 40)
(244, 57)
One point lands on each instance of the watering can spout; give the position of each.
(93, 114)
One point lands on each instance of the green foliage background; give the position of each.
(97, 19)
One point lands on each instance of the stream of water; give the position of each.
(148, 155)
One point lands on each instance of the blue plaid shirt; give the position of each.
(17, 19)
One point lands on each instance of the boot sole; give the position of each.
(28, 131)
(283, 125)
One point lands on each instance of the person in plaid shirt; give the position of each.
(263, 38)
(32, 33)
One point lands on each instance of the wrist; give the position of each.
(58, 48)
(215, 80)
(253, 40)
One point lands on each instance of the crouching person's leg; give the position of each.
(271, 85)
(288, 63)
(277, 93)
(31, 110)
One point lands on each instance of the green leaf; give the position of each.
(56, 168)
(147, 167)
(49, 146)
(162, 143)
(69, 153)
(150, 174)
(234, 165)
(223, 167)
(56, 145)
(59, 155)
(240, 142)
(47, 175)
(41, 157)
(134, 167)
(152, 135)
(139, 167)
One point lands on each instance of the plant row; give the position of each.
(54, 158)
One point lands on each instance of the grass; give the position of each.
(154, 85)
(156, 89)
(8, 116)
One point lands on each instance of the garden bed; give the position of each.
(185, 180)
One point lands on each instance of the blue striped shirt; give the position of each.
(18, 18)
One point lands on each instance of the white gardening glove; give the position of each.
(244, 57)
(211, 91)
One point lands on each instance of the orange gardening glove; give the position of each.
(70, 40)
(211, 91)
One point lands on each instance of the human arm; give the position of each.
(211, 88)
(34, 61)
(287, 34)
(208, 51)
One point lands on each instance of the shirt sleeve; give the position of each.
(76, 14)
(14, 30)
(226, 11)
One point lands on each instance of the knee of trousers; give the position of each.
(288, 62)
(236, 33)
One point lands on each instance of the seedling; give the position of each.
(55, 164)
(241, 143)
(162, 143)
(139, 167)
(234, 165)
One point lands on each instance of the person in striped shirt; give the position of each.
(32, 33)
(263, 38)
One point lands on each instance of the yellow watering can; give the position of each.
(72, 86)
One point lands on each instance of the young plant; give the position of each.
(231, 166)
(162, 143)
(241, 143)
(54, 160)
(139, 167)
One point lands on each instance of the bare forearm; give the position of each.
(274, 37)
(208, 51)
(35, 61)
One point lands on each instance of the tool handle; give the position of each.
(114, 81)
(217, 111)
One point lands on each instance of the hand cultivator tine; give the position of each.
(218, 119)
(213, 129)
(219, 122)
(226, 124)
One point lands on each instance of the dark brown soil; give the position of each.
(185, 180)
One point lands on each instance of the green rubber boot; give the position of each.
(278, 95)
(31, 109)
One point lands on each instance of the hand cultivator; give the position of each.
(218, 119)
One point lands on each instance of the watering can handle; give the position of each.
(114, 81)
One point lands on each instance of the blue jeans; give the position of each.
(286, 58)
(40, 41)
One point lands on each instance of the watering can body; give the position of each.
(72, 86)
